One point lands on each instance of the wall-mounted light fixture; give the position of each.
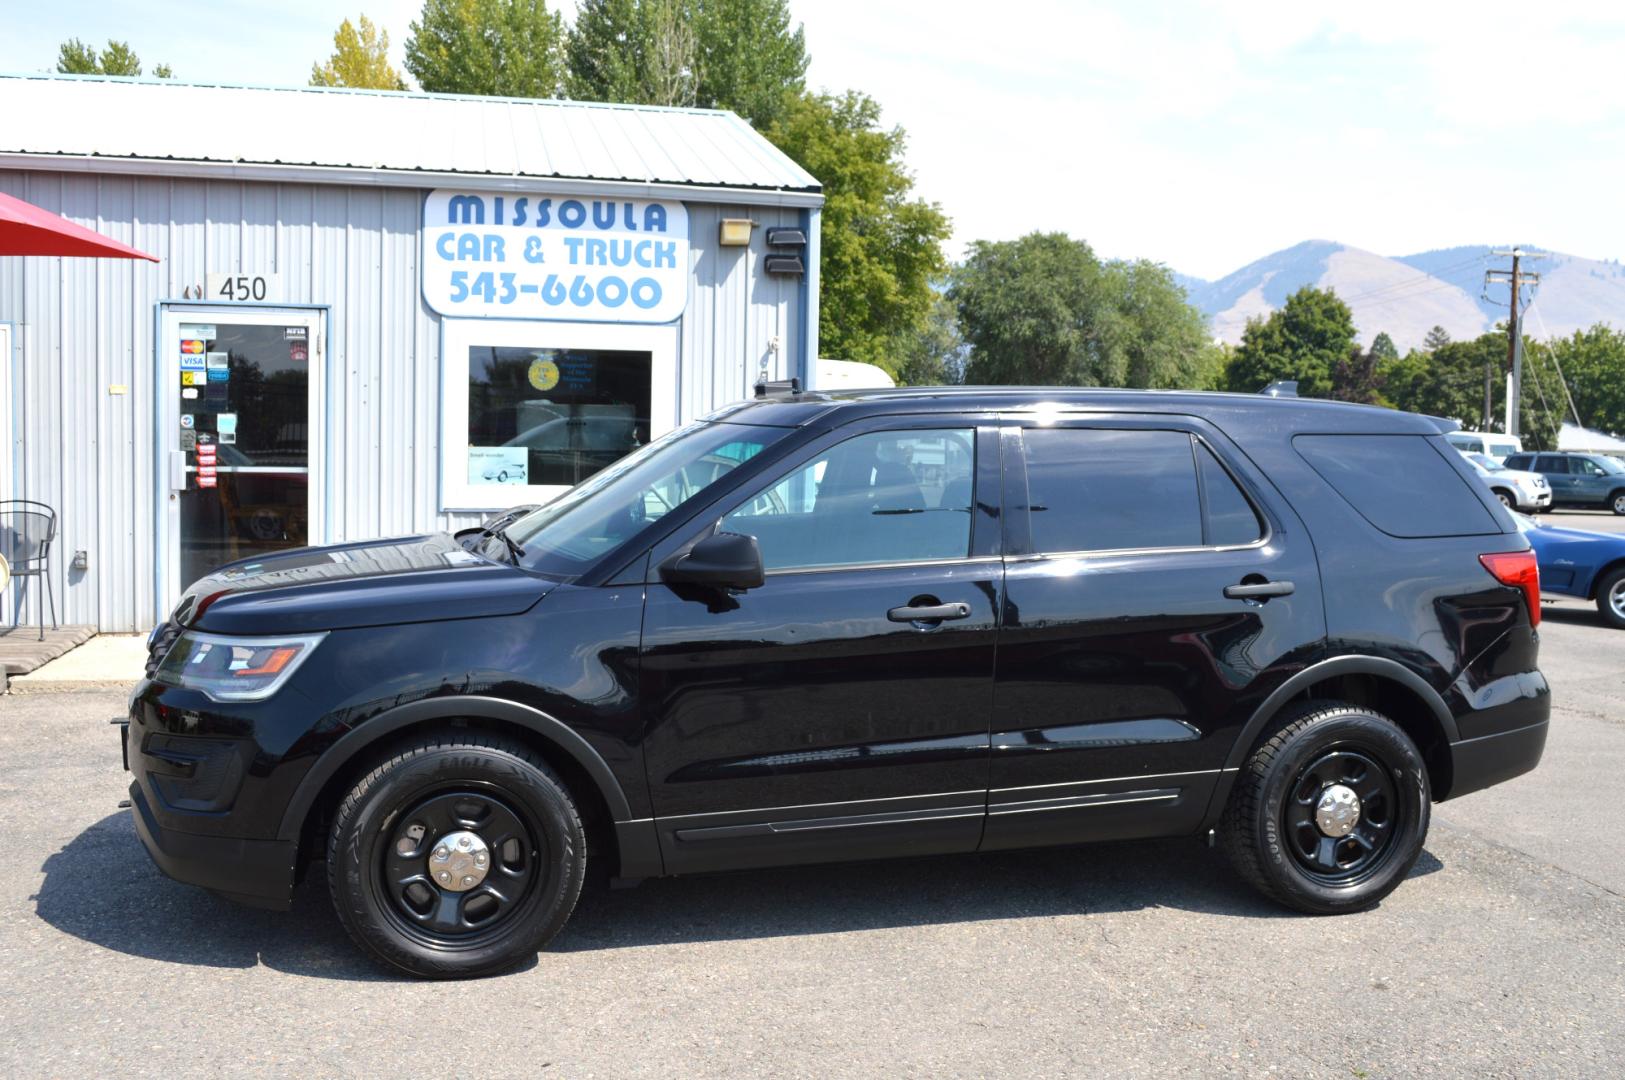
(735, 232)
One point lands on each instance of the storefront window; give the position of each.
(533, 409)
(553, 417)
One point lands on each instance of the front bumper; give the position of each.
(1541, 500)
(257, 872)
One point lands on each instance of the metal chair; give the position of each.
(27, 530)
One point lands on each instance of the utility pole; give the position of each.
(1515, 278)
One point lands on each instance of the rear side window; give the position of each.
(1399, 483)
(1093, 489)
(1551, 464)
(1517, 461)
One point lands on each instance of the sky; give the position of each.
(1198, 134)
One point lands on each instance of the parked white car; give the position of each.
(1517, 490)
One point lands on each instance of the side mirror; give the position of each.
(722, 560)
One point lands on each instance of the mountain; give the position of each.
(1408, 295)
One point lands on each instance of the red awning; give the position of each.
(25, 229)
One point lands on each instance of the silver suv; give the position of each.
(1517, 490)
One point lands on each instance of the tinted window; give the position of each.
(1399, 483)
(1518, 461)
(1551, 463)
(886, 497)
(1230, 517)
(1099, 490)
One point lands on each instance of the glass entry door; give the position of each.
(239, 432)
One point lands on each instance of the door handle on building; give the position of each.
(177, 470)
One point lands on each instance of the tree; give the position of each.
(934, 354)
(1155, 339)
(76, 58)
(511, 48)
(750, 60)
(644, 52)
(1436, 338)
(726, 54)
(1383, 348)
(1358, 376)
(1450, 383)
(360, 59)
(1593, 365)
(1301, 341)
(881, 248)
(1044, 310)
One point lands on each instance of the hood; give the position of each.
(1559, 534)
(376, 583)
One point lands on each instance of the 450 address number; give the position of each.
(502, 287)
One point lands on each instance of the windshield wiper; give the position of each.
(499, 529)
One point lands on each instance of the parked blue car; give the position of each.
(1593, 481)
(1581, 564)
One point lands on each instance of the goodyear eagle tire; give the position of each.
(1329, 814)
(458, 856)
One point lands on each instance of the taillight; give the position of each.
(1518, 569)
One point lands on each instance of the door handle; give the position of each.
(1261, 590)
(928, 612)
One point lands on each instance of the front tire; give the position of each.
(460, 855)
(1616, 502)
(1611, 598)
(1506, 499)
(1329, 814)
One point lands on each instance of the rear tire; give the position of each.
(1323, 751)
(511, 887)
(1611, 598)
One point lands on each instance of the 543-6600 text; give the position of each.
(503, 287)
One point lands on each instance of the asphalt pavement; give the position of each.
(1504, 955)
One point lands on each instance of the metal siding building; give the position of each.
(324, 192)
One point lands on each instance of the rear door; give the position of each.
(1156, 589)
(1565, 485)
(840, 710)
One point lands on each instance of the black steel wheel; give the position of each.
(1343, 789)
(456, 856)
(1330, 812)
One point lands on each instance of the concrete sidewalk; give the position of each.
(105, 662)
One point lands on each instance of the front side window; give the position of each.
(884, 497)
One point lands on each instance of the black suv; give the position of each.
(827, 627)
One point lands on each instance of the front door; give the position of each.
(238, 419)
(840, 710)
(1155, 587)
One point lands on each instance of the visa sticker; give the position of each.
(191, 362)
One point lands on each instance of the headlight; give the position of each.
(234, 669)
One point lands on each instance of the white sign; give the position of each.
(240, 288)
(539, 256)
(498, 464)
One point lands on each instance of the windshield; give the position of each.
(595, 517)
(1487, 463)
(1525, 523)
